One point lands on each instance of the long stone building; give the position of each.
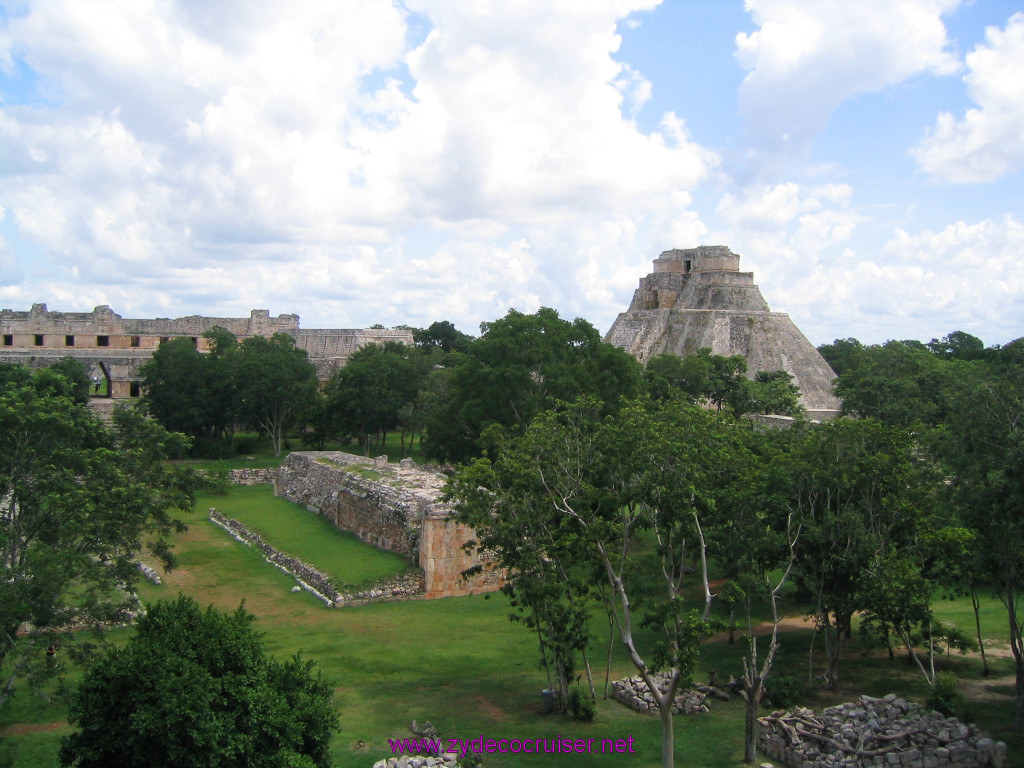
(112, 347)
(698, 298)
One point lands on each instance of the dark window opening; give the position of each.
(102, 341)
(133, 389)
(39, 339)
(69, 341)
(8, 340)
(195, 342)
(686, 266)
(136, 341)
(164, 339)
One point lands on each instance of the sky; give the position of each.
(405, 161)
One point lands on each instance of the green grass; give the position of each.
(462, 665)
(307, 536)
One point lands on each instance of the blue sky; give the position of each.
(393, 162)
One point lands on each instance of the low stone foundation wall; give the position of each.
(634, 693)
(406, 587)
(887, 732)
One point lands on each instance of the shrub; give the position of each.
(581, 707)
(783, 691)
(944, 696)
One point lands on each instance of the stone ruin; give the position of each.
(394, 507)
(113, 347)
(697, 298)
(633, 692)
(884, 732)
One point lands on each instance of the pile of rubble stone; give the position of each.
(876, 732)
(446, 760)
(634, 693)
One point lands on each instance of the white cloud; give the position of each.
(989, 141)
(807, 58)
(215, 153)
(921, 285)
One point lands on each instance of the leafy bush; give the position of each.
(944, 696)
(783, 691)
(581, 707)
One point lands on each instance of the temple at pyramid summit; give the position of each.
(698, 298)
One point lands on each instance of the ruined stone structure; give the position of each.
(114, 347)
(884, 732)
(394, 507)
(697, 298)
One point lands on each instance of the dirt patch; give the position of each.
(788, 624)
(491, 709)
(22, 729)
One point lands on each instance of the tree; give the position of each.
(853, 487)
(841, 354)
(441, 336)
(773, 392)
(584, 489)
(520, 366)
(174, 383)
(985, 454)
(73, 372)
(901, 383)
(193, 688)
(959, 345)
(276, 385)
(79, 501)
(365, 398)
(701, 377)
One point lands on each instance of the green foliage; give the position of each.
(581, 706)
(81, 500)
(520, 366)
(365, 398)
(902, 384)
(721, 381)
(194, 688)
(441, 336)
(945, 696)
(77, 380)
(783, 691)
(276, 385)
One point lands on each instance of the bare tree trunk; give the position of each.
(976, 604)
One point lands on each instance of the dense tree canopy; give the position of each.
(365, 398)
(519, 367)
(194, 689)
(80, 500)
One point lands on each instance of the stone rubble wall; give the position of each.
(447, 760)
(634, 693)
(888, 732)
(309, 578)
(252, 476)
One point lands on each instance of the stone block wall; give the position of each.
(444, 560)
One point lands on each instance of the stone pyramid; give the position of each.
(696, 298)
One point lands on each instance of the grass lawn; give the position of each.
(307, 536)
(461, 664)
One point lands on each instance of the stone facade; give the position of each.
(113, 347)
(697, 298)
(888, 732)
(394, 507)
